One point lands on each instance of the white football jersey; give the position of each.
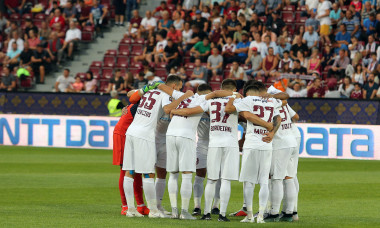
(265, 109)
(295, 129)
(150, 109)
(203, 131)
(163, 122)
(223, 126)
(186, 126)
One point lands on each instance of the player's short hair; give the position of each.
(229, 84)
(261, 86)
(247, 84)
(253, 88)
(173, 79)
(204, 87)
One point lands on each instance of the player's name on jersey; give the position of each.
(264, 100)
(216, 98)
(286, 126)
(143, 113)
(220, 128)
(260, 131)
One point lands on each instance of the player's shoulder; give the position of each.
(272, 90)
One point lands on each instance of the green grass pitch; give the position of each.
(50, 187)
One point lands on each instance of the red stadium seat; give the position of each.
(122, 62)
(82, 76)
(124, 50)
(263, 19)
(140, 41)
(98, 64)
(15, 17)
(89, 28)
(111, 52)
(126, 41)
(109, 61)
(301, 8)
(95, 72)
(87, 36)
(37, 23)
(40, 16)
(271, 80)
(107, 73)
(289, 8)
(216, 78)
(103, 85)
(137, 48)
(215, 85)
(27, 16)
(288, 17)
(228, 66)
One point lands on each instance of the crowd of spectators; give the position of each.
(36, 41)
(309, 48)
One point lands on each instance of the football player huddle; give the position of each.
(165, 131)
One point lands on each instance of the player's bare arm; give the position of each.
(280, 96)
(230, 108)
(256, 120)
(276, 124)
(186, 111)
(168, 108)
(295, 118)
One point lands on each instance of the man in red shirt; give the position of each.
(14, 6)
(161, 8)
(316, 90)
(234, 6)
(58, 18)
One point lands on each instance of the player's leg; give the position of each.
(215, 206)
(248, 175)
(124, 205)
(138, 190)
(118, 152)
(172, 168)
(213, 174)
(295, 211)
(264, 160)
(161, 175)
(198, 186)
(187, 165)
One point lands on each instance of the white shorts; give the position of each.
(281, 163)
(293, 165)
(180, 154)
(255, 166)
(161, 155)
(139, 155)
(223, 162)
(201, 157)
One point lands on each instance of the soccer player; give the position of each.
(283, 169)
(181, 152)
(257, 154)
(140, 150)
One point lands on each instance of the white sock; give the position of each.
(290, 192)
(295, 179)
(198, 191)
(217, 194)
(160, 190)
(284, 201)
(248, 197)
(128, 190)
(263, 198)
(244, 201)
(150, 193)
(186, 189)
(225, 193)
(277, 194)
(269, 203)
(173, 189)
(209, 195)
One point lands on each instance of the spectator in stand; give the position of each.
(256, 61)
(315, 89)
(335, 15)
(314, 63)
(130, 6)
(116, 83)
(18, 40)
(370, 88)
(51, 9)
(63, 3)
(120, 6)
(232, 23)
(40, 62)
(261, 47)
(269, 65)
(298, 46)
(64, 82)
(97, 16)
(77, 85)
(268, 32)
(26, 57)
(369, 26)
(285, 60)
(174, 35)
(72, 39)
(28, 27)
(161, 9)
(160, 48)
(8, 81)
(346, 87)
(33, 40)
(200, 22)
(171, 55)
(90, 83)
(352, 24)
(15, 6)
(267, 44)
(370, 47)
(215, 35)
(165, 22)
(128, 82)
(228, 51)
(367, 10)
(214, 63)
(55, 48)
(61, 33)
(357, 92)
(238, 33)
(276, 23)
(372, 63)
(297, 91)
(134, 25)
(186, 34)
(242, 49)
(310, 38)
(246, 25)
(256, 22)
(151, 78)
(312, 21)
(178, 22)
(58, 18)
(298, 69)
(283, 47)
(272, 6)
(44, 31)
(201, 50)
(342, 39)
(357, 4)
(328, 57)
(84, 14)
(356, 50)
(237, 73)
(332, 92)
(180, 11)
(12, 59)
(197, 36)
(140, 81)
(247, 12)
(233, 8)
(323, 15)
(199, 75)
(148, 51)
(70, 11)
(338, 69)
(148, 25)
(259, 7)
(359, 75)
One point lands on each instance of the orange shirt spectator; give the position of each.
(278, 85)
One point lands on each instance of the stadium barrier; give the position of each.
(310, 110)
(342, 141)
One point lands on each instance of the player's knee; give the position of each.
(130, 173)
(148, 175)
(287, 178)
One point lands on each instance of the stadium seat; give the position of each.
(216, 78)
(189, 69)
(126, 41)
(122, 62)
(226, 73)
(171, 7)
(15, 17)
(301, 8)
(270, 80)
(109, 61)
(89, 28)
(98, 64)
(37, 23)
(87, 36)
(215, 85)
(107, 73)
(263, 19)
(291, 8)
(137, 48)
(82, 76)
(161, 72)
(27, 16)
(139, 41)
(288, 17)
(95, 72)
(103, 85)
(111, 52)
(124, 50)
(40, 16)
(135, 67)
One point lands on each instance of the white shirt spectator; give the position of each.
(20, 44)
(231, 47)
(148, 22)
(64, 82)
(312, 4)
(237, 73)
(160, 46)
(72, 34)
(261, 48)
(325, 5)
(186, 36)
(293, 93)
